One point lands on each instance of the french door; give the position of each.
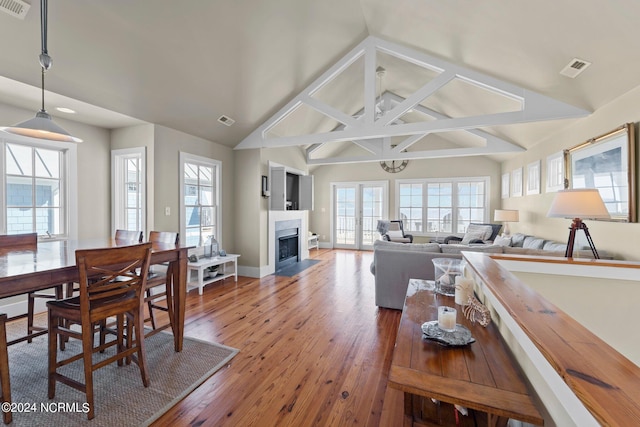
(357, 207)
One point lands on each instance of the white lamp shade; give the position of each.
(41, 127)
(578, 203)
(506, 215)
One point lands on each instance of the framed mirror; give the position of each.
(607, 163)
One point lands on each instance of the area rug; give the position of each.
(296, 268)
(120, 397)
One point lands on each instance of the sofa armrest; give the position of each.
(452, 239)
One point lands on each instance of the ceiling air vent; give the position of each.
(226, 120)
(575, 67)
(17, 8)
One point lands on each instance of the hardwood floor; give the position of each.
(314, 349)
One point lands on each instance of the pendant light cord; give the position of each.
(45, 59)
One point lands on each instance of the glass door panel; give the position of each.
(345, 224)
(357, 209)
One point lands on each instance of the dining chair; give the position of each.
(28, 241)
(122, 237)
(112, 283)
(4, 369)
(129, 236)
(158, 279)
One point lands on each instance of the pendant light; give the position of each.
(42, 125)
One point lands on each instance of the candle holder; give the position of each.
(447, 318)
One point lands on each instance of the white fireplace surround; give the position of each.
(275, 216)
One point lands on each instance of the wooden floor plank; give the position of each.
(314, 349)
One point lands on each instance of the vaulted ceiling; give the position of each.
(184, 64)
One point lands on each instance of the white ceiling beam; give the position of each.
(535, 107)
(256, 139)
(329, 111)
(417, 97)
(379, 131)
(427, 154)
(370, 65)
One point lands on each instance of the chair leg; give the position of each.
(169, 296)
(30, 314)
(4, 370)
(150, 306)
(53, 353)
(142, 358)
(87, 351)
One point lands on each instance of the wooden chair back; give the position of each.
(167, 237)
(109, 274)
(9, 241)
(129, 236)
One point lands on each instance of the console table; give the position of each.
(482, 376)
(228, 268)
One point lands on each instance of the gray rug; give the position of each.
(121, 399)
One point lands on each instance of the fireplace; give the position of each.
(287, 243)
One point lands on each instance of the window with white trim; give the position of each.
(35, 182)
(128, 189)
(442, 205)
(200, 213)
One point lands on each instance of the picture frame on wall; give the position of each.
(555, 172)
(505, 185)
(607, 163)
(516, 182)
(533, 178)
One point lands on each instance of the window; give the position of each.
(35, 181)
(200, 199)
(128, 189)
(442, 205)
(555, 172)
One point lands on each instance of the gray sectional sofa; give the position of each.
(395, 263)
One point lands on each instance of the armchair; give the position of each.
(395, 233)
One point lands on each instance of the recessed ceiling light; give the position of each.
(65, 110)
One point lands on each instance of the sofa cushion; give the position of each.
(509, 250)
(456, 249)
(531, 242)
(550, 245)
(502, 241)
(395, 234)
(425, 247)
(517, 240)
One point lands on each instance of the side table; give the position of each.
(313, 242)
(228, 267)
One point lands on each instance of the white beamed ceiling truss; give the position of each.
(373, 132)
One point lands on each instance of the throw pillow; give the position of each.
(395, 234)
(502, 241)
(479, 231)
(472, 235)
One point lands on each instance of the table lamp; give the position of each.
(506, 216)
(577, 204)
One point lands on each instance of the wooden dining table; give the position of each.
(53, 262)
